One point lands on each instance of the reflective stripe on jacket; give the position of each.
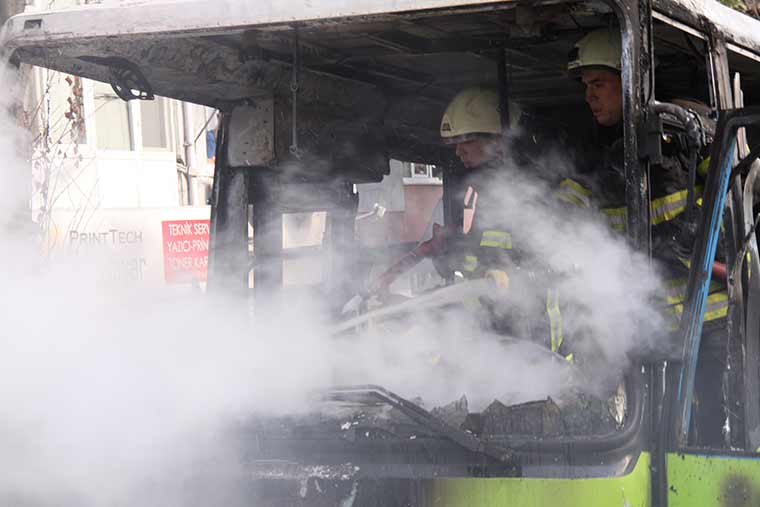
(556, 336)
(572, 192)
(616, 217)
(663, 209)
(717, 300)
(496, 239)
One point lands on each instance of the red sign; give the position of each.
(185, 250)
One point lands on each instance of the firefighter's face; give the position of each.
(476, 152)
(604, 95)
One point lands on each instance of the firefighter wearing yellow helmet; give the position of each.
(472, 122)
(479, 244)
(600, 48)
(483, 245)
(596, 60)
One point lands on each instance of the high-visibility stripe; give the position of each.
(616, 217)
(555, 319)
(556, 337)
(717, 307)
(496, 239)
(662, 209)
(573, 193)
(675, 290)
(470, 263)
(717, 296)
(668, 207)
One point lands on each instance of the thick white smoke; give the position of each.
(612, 295)
(113, 397)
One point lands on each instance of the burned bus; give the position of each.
(318, 96)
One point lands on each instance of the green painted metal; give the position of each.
(706, 481)
(631, 490)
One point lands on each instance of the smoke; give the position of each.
(120, 397)
(610, 294)
(116, 397)
(105, 393)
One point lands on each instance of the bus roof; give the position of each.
(742, 32)
(356, 54)
(135, 17)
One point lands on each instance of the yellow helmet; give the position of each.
(474, 111)
(600, 48)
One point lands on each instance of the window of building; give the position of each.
(416, 173)
(421, 170)
(154, 124)
(112, 120)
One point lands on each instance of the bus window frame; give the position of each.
(631, 439)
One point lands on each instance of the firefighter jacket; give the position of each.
(672, 233)
(487, 240)
(483, 240)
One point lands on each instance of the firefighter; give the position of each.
(596, 60)
(482, 242)
(477, 245)
(472, 125)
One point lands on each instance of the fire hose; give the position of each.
(429, 248)
(409, 260)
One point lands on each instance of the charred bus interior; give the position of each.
(314, 110)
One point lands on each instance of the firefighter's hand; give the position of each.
(498, 277)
